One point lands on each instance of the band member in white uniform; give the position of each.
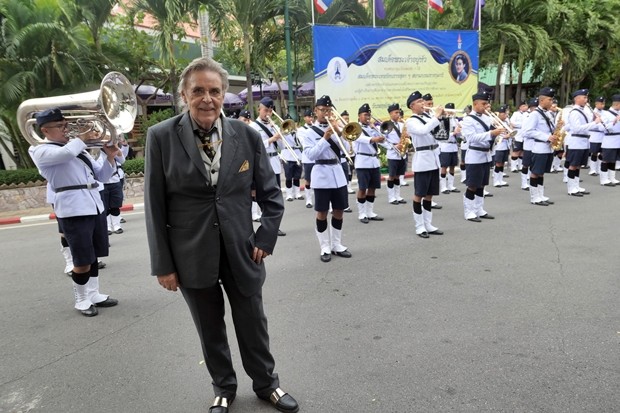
(348, 169)
(428, 103)
(502, 149)
(307, 165)
(611, 143)
(292, 165)
(596, 139)
(481, 138)
(539, 127)
(397, 163)
(328, 181)
(516, 121)
(449, 153)
(367, 166)
(264, 127)
(558, 154)
(425, 163)
(579, 124)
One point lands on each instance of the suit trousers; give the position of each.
(207, 308)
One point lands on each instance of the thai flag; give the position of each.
(436, 4)
(322, 5)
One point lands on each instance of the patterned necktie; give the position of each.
(205, 138)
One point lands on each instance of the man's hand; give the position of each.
(495, 132)
(111, 151)
(169, 281)
(378, 139)
(258, 255)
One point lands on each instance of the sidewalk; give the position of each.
(46, 214)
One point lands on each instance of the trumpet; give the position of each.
(288, 127)
(452, 112)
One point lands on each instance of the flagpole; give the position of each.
(479, 24)
(374, 10)
(312, 8)
(428, 13)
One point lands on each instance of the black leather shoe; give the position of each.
(347, 209)
(343, 254)
(423, 235)
(436, 232)
(109, 302)
(488, 196)
(549, 202)
(609, 184)
(221, 404)
(578, 194)
(101, 265)
(282, 401)
(326, 257)
(123, 220)
(118, 231)
(364, 220)
(90, 311)
(474, 219)
(487, 216)
(455, 190)
(395, 202)
(308, 205)
(377, 218)
(402, 201)
(447, 191)
(436, 206)
(584, 192)
(281, 233)
(541, 203)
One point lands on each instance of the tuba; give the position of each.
(102, 113)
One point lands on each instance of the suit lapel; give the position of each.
(188, 140)
(229, 149)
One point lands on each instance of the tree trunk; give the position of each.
(500, 62)
(248, 77)
(519, 82)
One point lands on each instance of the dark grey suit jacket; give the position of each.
(184, 219)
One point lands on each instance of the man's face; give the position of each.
(364, 118)
(523, 108)
(554, 107)
(322, 112)
(502, 115)
(479, 106)
(428, 103)
(203, 95)
(56, 131)
(545, 102)
(395, 115)
(245, 120)
(308, 120)
(599, 105)
(418, 106)
(346, 118)
(581, 100)
(264, 112)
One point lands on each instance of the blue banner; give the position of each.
(381, 66)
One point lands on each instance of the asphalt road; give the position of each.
(517, 314)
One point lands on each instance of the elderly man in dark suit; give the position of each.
(200, 167)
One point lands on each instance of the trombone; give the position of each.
(288, 127)
(498, 123)
(385, 129)
(351, 131)
(452, 112)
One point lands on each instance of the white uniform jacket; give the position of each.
(596, 134)
(426, 155)
(301, 136)
(504, 145)
(295, 144)
(580, 123)
(327, 171)
(62, 168)
(272, 150)
(393, 138)
(479, 139)
(451, 144)
(516, 120)
(611, 139)
(538, 127)
(367, 153)
(118, 173)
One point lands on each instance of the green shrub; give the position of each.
(134, 166)
(19, 176)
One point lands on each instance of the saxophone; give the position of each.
(559, 132)
(405, 142)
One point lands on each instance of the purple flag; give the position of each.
(477, 12)
(380, 9)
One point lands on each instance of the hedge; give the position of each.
(23, 176)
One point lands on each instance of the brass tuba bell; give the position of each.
(105, 112)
